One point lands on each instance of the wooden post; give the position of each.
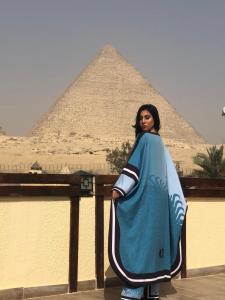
(99, 240)
(184, 256)
(73, 247)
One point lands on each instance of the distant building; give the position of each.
(36, 168)
(223, 111)
(65, 170)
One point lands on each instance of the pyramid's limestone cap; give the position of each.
(109, 50)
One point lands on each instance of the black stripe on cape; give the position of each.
(146, 278)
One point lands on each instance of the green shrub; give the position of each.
(117, 157)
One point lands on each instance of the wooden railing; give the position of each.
(203, 187)
(192, 187)
(51, 185)
(103, 188)
(69, 185)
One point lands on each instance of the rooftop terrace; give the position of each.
(209, 287)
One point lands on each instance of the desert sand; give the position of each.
(17, 154)
(96, 112)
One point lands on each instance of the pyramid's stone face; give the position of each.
(2, 132)
(103, 101)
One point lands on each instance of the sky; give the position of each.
(177, 45)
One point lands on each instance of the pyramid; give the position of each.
(2, 132)
(102, 103)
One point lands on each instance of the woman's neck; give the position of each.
(153, 130)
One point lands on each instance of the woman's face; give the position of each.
(146, 120)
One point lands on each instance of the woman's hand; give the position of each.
(115, 195)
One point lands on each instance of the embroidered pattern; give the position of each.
(157, 183)
(178, 208)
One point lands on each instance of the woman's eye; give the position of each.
(144, 118)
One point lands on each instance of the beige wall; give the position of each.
(34, 244)
(86, 265)
(108, 270)
(34, 235)
(205, 232)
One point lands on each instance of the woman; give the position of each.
(147, 213)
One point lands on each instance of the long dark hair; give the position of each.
(155, 114)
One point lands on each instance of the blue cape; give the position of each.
(146, 221)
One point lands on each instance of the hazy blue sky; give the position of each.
(177, 45)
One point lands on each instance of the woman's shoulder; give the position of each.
(147, 139)
(148, 136)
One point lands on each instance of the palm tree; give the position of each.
(213, 164)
